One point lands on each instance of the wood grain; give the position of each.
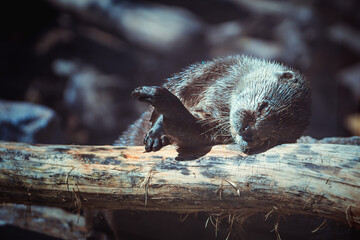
(315, 179)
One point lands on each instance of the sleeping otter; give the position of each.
(255, 103)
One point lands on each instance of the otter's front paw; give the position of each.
(154, 141)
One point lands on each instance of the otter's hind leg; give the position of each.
(176, 121)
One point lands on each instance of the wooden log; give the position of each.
(315, 179)
(53, 222)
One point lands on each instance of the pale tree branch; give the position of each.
(313, 179)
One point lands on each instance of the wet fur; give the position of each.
(228, 96)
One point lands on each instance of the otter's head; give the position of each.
(272, 109)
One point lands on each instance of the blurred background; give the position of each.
(67, 67)
(79, 60)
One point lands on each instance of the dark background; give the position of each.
(82, 59)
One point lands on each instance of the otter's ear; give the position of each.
(287, 76)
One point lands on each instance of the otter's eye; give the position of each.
(262, 107)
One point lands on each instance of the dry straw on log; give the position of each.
(315, 179)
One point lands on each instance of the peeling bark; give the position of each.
(314, 179)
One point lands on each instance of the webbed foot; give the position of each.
(151, 94)
(154, 141)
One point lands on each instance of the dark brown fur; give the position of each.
(255, 103)
(252, 102)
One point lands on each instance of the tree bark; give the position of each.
(53, 222)
(315, 179)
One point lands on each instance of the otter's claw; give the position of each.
(154, 142)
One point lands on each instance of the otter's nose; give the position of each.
(247, 134)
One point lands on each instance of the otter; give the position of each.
(252, 102)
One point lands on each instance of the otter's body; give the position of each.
(255, 103)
